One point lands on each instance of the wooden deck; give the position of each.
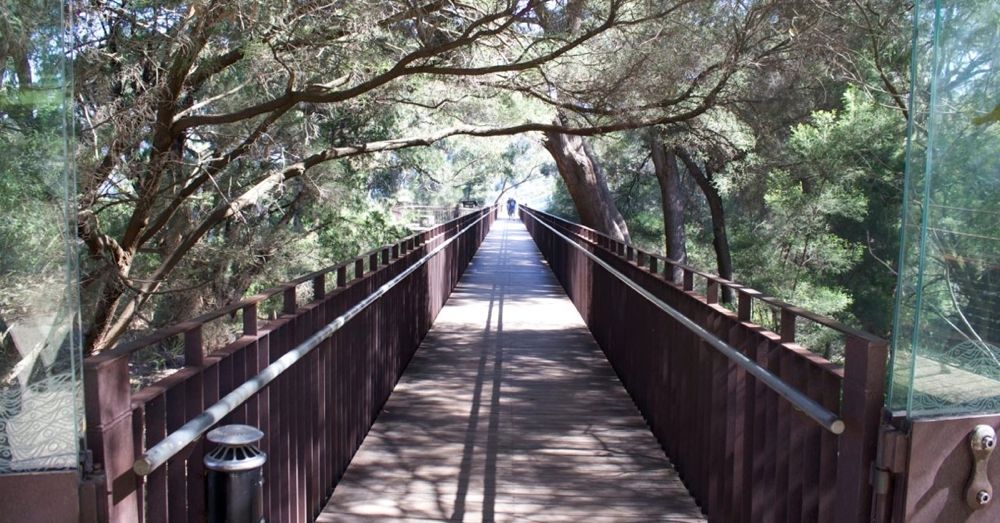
(510, 412)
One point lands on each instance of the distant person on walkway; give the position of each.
(511, 205)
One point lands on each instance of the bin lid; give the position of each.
(236, 450)
(235, 435)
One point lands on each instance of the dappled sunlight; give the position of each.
(510, 412)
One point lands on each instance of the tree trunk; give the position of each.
(668, 176)
(720, 241)
(574, 159)
(586, 184)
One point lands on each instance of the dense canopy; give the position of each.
(222, 146)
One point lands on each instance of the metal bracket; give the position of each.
(979, 492)
(86, 461)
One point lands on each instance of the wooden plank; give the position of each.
(508, 411)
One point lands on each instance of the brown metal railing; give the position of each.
(745, 452)
(314, 415)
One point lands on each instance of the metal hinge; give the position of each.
(890, 458)
(881, 481)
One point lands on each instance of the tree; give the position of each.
(574, 158)
(196, 113)
(704, 176)
(668, 177)
(583, 176)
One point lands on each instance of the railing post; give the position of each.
(712, 291)
(289, 302)
(250, 319)
(743, 306)
(319, 286)
(342, 276)
(688, 278)
(861, 409)
(108, 397)
(194, 353)
(787, 326)
(359, 268)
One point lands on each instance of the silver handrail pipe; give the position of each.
(177, 440)
(820, 414)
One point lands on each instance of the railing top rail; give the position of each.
(820, 319)
(128, 347)
(817, 412)
(177, 440)
(659, 257)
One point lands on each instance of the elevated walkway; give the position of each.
(509, 411)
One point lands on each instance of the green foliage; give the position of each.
(811, 206)
(561, 203)
(859, 150)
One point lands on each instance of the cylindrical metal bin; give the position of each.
(235, 475)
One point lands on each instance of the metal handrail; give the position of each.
(177, 440)
(826, 418)
(818, 319)
(128, 347)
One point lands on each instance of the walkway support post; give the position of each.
(861, 408)
(108, 397)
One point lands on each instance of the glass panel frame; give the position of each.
(946, 335)
(41, 407)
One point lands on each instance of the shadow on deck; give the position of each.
(509, 411)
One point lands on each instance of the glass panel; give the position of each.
(946, 355)
(40, 396)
